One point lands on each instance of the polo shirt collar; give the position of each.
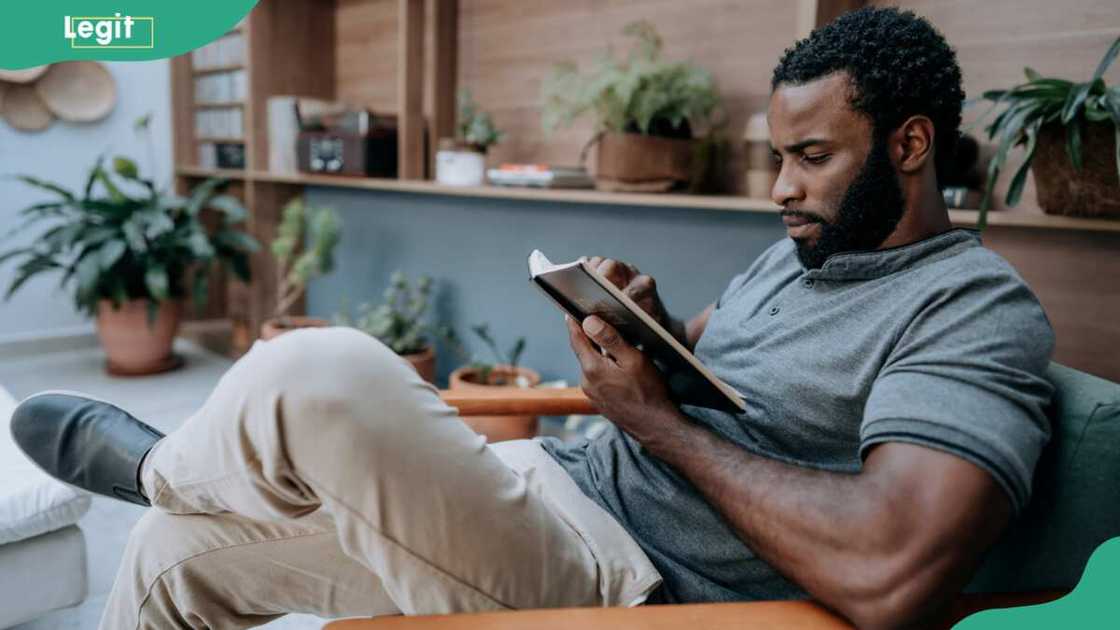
(868, 265)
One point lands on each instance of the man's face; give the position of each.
(837, 186)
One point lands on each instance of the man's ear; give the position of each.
(912, 144)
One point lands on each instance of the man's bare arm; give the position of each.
(886, 547)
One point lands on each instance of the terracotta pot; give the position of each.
(132, 346)
(637, 162)
(424, 362)
(1094, 191)
(277, 326)
(497, 428)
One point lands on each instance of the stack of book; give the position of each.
(540, 176)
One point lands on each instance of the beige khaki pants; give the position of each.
(324, 476)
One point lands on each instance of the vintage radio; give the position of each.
(364, 147)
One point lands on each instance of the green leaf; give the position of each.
(199, 245)
(239, 264)
(1073, 102)
(111, 252)
(155, 279)
(28, 270)
(115, 193)
(1015, 191)
(94, 172)
(88, 271)
(230, 206)
(134, 236)
(125, 168)
(1073, 144)
(236, 240)
(1107, 60)
(200, 289)
(1032, 75)
(202, 193)
(45, 185)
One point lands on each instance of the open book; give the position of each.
(581, 291)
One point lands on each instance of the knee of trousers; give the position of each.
(159, 549)
(325, 374)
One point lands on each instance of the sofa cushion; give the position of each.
(1076, 500)
(31, 502)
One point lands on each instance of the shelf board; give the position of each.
(219, 139)
(710, 202)
(733, 203)
(224, 173)
(217, 69)
(219, 104)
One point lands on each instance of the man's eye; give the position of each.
(776, 157)
(817, 159)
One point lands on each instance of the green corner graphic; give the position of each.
(43, 33)
(1093, 604)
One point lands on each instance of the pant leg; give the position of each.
(332, 419)
(227, 572)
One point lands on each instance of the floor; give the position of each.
(163, 401)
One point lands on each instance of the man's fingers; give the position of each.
(640, 288)
(586, 354)
(609, 340)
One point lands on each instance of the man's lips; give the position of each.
(797, 225)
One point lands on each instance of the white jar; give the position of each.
(457, 167)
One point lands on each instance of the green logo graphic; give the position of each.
(112, 30)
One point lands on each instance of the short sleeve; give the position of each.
(966, 376)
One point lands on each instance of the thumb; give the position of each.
(606, 337)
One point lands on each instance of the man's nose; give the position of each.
(786, 188)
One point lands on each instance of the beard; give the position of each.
(868, 213)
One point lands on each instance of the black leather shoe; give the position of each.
(84, 442)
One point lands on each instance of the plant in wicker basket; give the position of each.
(1071, 132)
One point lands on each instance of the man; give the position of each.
(892, 369)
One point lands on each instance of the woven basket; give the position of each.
(1094, 191)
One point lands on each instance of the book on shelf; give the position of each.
(540, 176)
(580, 291)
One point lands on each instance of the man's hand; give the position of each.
(637, 286)
(623, 384)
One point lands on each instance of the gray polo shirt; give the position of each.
(938, 343)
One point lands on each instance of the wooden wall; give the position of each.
(1075, 274)
(506, 47)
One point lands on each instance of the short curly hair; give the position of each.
(899, 64)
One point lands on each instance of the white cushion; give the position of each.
(31, 502)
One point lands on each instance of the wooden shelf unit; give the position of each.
(376, 53)
(1021, 218)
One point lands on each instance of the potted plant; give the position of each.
(504, 373)
(132, 253)
(303, 249)
(461, 161)
(1072, 137)
(400, 322)
(646, 111)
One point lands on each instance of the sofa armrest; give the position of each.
(742, 616)
(510, 401)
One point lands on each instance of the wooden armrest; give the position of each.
(741, 616)
(511, 401)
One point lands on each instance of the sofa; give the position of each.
(1075, 508)
(42, 551)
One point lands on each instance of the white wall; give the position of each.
(64, 153)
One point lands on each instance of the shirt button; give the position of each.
(807, 283)
(774, 310)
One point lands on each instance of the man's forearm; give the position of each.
(823, 530)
